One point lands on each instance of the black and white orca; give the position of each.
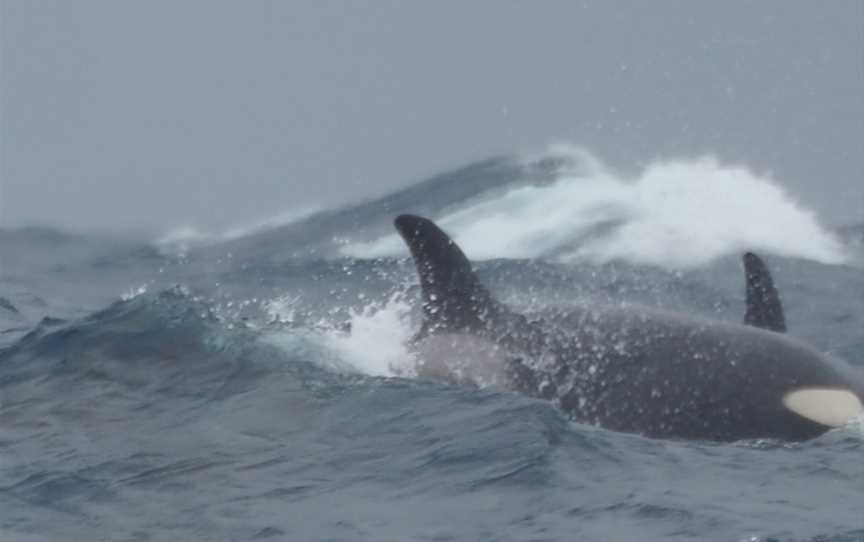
(644, 371)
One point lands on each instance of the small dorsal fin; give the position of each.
(453, 297)
(764, 308)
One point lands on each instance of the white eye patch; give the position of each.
(831, 407)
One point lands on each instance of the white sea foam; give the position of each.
(283, 309)
(182, 239)
(133, 292)
(375, 343)
(674, 214)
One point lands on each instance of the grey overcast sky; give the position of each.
(135, 115)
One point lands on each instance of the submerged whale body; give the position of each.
(643, 371)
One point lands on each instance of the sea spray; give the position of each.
(674, 214)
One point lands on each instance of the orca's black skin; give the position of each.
(451, 291)
(636, 370)
(763, 302)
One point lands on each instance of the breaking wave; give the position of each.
(673, 214)
(185, 238)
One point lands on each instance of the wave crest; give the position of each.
(673, 214)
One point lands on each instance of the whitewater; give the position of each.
(256, 383)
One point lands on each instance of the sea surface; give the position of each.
(256, 384)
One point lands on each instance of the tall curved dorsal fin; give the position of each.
(453, 297)
(764, 308)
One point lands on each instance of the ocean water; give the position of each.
(256, 384)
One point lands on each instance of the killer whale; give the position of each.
(655, 373)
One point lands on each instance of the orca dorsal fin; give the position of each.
(453, 297)
(764, 308)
